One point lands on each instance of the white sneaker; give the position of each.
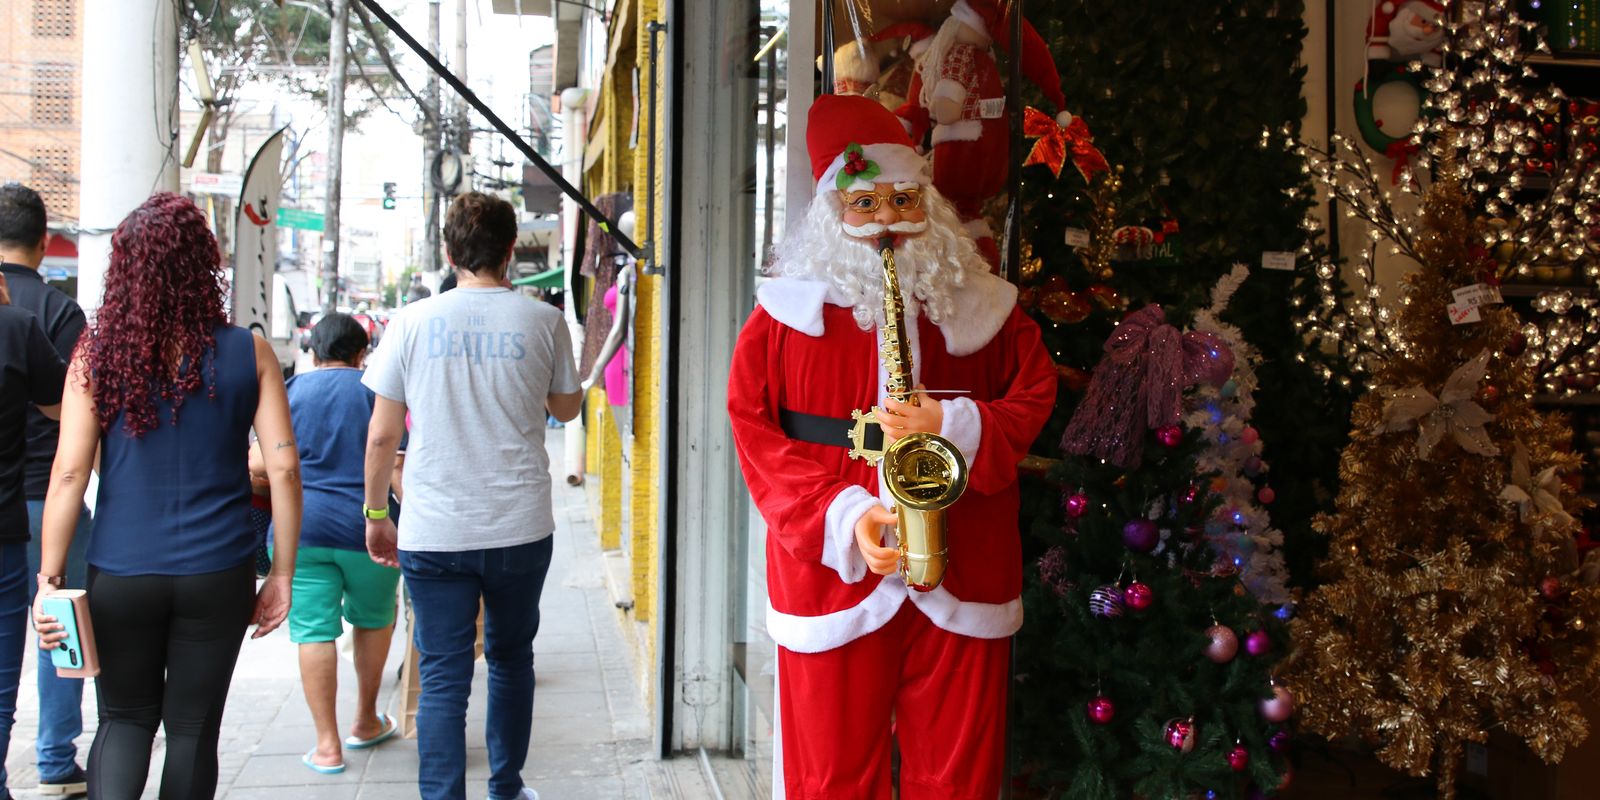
(527, 793)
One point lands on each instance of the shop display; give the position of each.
(1157, 632)
(846, 624)
(1406, 30)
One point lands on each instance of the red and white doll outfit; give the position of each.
(859, 652)
(970, 155)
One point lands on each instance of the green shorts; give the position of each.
(330, 583)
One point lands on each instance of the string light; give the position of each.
(1503, 132)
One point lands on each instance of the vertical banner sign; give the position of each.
(255, 241)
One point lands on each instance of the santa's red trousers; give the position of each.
(944, 693)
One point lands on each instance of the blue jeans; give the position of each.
(60, 699)
(13, 638)
(445, 591)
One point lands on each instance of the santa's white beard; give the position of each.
(1406, 39)
(931, 265)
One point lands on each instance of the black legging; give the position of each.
(155, 631)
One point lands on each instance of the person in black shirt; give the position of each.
(31, 374)
(23, 236)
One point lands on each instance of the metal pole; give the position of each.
(827, 46)
(432, 262)
(1011, 267)
(652, 264)
(330, 220)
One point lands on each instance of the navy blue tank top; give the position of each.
(176, 500)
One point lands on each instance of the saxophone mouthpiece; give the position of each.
(886, 242)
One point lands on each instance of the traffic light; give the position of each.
(388, 195)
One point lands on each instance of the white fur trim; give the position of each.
(947, 89)
(968, 618)
(794, 302)
(968, 16)
(1064, 118)
(839, 550)
(963, 426)
(981, 309)
(896, 162)
(850, 63)
(967, 130)
(920, 46)
(802, 634)
(978, 228)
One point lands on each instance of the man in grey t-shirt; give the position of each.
(477, 368)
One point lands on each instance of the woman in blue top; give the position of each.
(330, 409)
(168, 391)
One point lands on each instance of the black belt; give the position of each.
(826, 430)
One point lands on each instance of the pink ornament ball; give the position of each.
(1266, 495)
(1179, 734)
(1223, 644)
(1138, 596)
(1249, 435)
(1258, 643)
(1279, 707)
(1141, 535)
(1077, 505)
(1238, 758)
(1101, 710)
(1169, 435)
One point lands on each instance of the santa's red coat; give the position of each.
(802, 350)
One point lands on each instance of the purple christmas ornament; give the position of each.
(1141, 535)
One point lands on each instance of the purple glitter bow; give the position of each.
(1139, 384)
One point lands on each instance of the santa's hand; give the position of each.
(898, 419)
(869, 537)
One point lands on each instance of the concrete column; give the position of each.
(130, 124)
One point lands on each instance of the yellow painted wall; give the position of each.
(649, 355)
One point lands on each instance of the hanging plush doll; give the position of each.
(1406, 30)
(910, 40)
(957, 92)
(855, 68)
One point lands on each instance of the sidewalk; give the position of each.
(591, 733)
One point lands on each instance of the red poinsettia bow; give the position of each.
(1056, 139)
(1401, 151)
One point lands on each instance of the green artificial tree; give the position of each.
(1148, 668)
(1177, 95)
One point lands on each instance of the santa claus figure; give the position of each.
(957, 90)
(1406, 30)
(862, 659)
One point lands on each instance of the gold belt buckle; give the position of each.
(858, 435)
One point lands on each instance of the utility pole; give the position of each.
(463, 111)
(432, 116)
(125, 78)
(330, 218)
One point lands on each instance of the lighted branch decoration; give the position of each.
(1539, 201)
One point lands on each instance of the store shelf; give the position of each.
(1576, 61)
(1567, 400)
(1536, 289)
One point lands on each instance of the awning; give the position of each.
(549, 279)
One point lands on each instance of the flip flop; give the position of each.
(334, 769)
(390, 728)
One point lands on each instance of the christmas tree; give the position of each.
(1451, 606)
(1149, 664)
(1240, 529)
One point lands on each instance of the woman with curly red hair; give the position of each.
(168, 392)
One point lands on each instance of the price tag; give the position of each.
(1278, 259)
(1461, 315)
(1077, 237)
(992, 108)
(1478, 294)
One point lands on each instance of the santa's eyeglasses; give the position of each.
(866, 201)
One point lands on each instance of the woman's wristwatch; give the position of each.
(53, 581)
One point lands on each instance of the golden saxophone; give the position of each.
(924, 472)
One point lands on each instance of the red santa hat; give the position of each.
(854, 142)
(1384, 13)
(919, 34)
(1037, 63)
